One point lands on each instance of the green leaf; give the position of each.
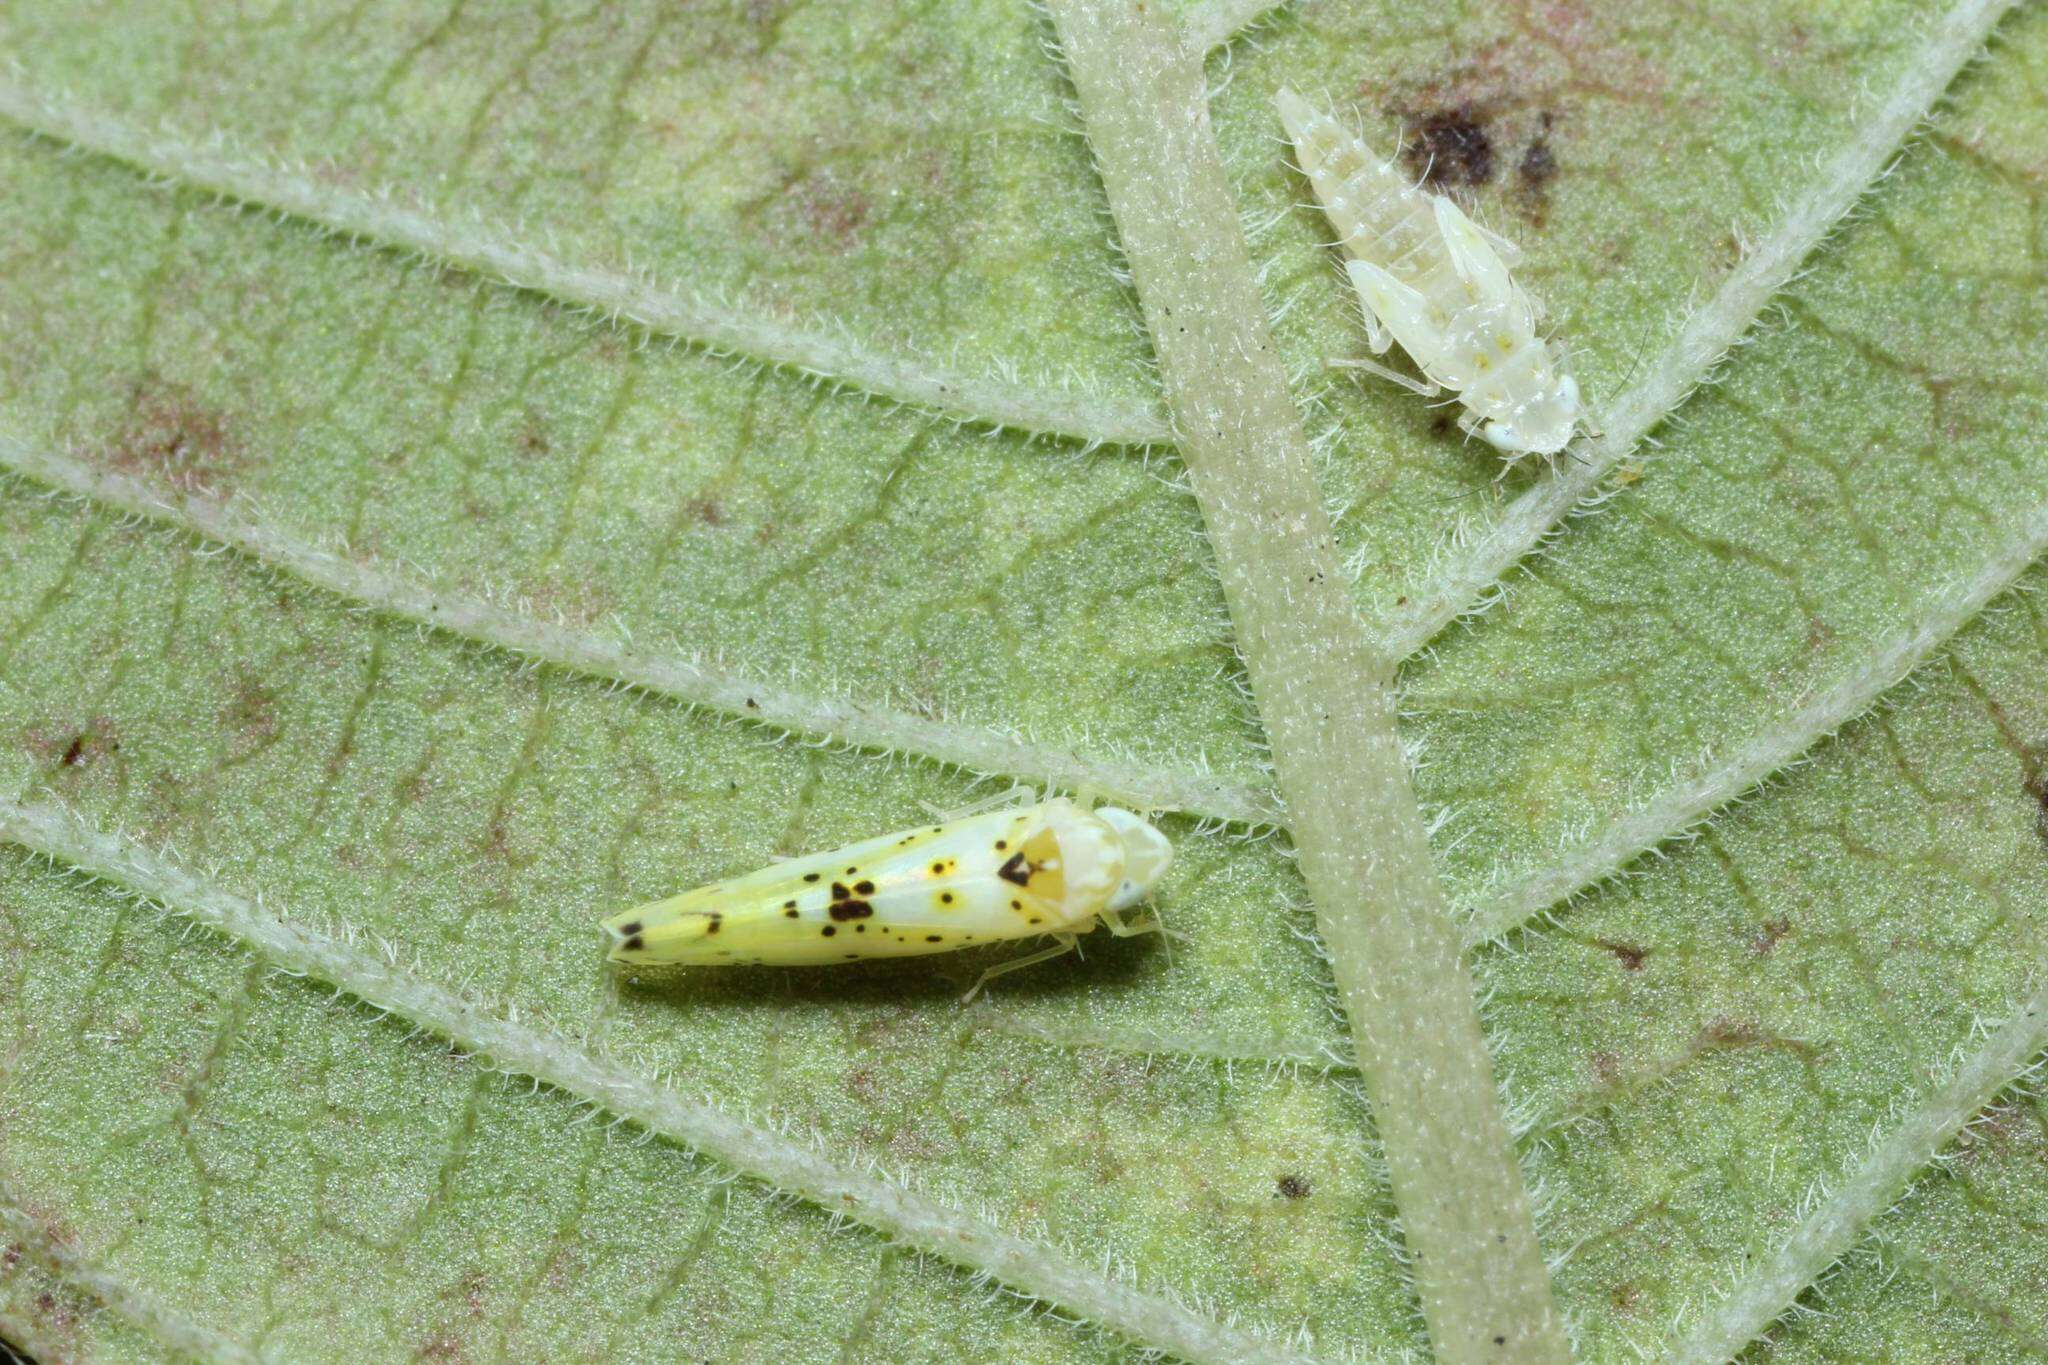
(371, 597)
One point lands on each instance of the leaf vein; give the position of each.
(613, 656)
(1798, 729)
(57, 1255)
(1468, 575)
(372, 971)
(1838, 1218)
(826, 351)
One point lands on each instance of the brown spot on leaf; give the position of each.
(1728, 1034)
(1768, 934)
(824, 208)
(473, 1285)
(252, 710)
(2036, 787)
(172, 437)
(1538, 164)
(1536, 169)
(442, 1345)
(576, 603)
(74, 746)
(1450, 146)
(1292, 1187)
(1629, 956)
(533, 440)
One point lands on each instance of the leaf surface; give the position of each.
(201, 1154)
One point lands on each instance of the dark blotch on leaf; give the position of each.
(173, 437)
(2036, 787)
(71, 748)
(1450, 146)
(1292, 1186)
(1536, 169)
(1768, 935)
(1629, 956)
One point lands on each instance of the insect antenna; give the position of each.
(1642, 349)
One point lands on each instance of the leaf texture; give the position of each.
(441, 696)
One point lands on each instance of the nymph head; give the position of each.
(1541, 424)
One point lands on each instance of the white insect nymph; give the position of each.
(1435, 281)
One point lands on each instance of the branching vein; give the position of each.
(1470, 570)
(375, 974)
(21, 1230)
(828, 352)
(1838, 1218)
(1698, 794)
(612, 654)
